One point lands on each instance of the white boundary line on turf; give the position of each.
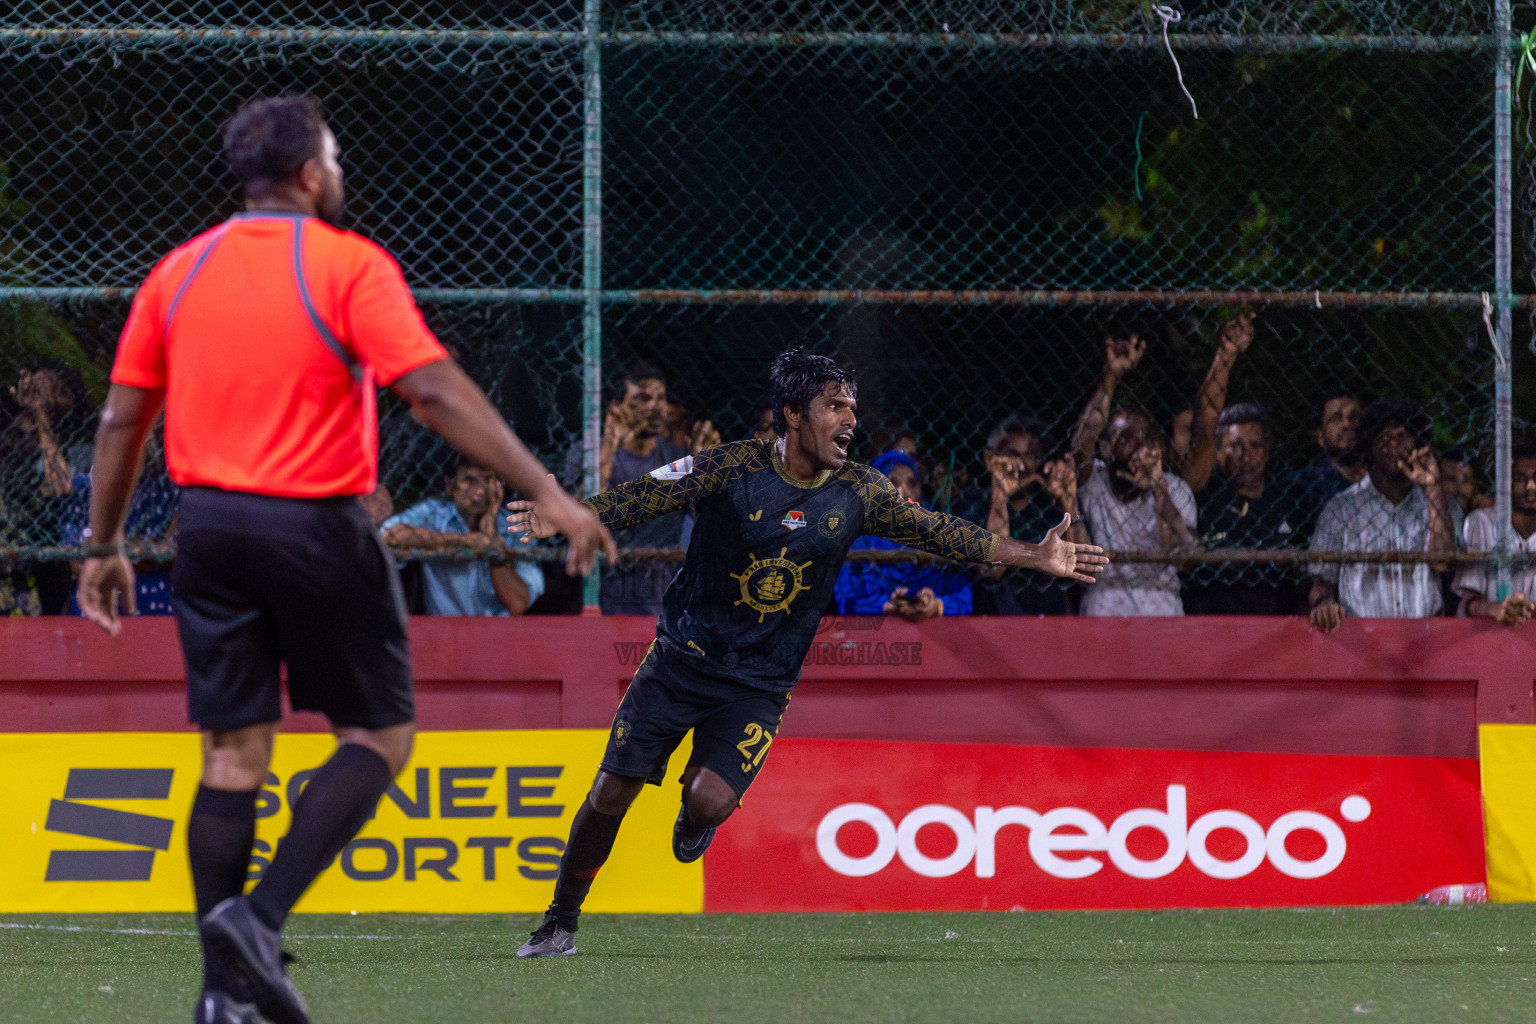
(178, 932)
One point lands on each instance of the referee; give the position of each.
(263, 341)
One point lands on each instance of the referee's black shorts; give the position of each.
(262, 581)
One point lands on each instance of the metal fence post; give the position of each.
(1502, 218)
(592, 269)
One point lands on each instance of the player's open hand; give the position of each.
(554, 511)
(104, 582)
(1061, 557)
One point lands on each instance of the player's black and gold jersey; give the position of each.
(766, 551)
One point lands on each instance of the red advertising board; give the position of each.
(856, 826)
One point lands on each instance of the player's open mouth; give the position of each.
(841, 443)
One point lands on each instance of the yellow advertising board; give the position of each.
(1508, 765)
(96, 822)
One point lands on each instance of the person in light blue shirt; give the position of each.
(466, 519)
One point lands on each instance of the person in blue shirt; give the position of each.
(466, 520)
(912, 591)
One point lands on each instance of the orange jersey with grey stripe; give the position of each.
(268, 335)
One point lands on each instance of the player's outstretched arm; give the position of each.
(449, 403)
(674, 486)
(1055, 554)
(106, 576)
(889, 515)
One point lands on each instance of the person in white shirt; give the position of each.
(1399, 506)
(1128, 502)
(1475, 583)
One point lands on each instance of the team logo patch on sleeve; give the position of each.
(674, 470)
(793, 520)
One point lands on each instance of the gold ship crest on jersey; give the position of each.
(770, 584)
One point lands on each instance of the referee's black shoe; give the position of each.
(216, 1007)
(236, 932)
(689, 844)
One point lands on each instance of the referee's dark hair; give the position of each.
(797, 378)
(269, 139)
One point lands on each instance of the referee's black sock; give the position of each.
(219, 837)
(335, 805)
(592, 836)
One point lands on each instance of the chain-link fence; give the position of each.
(960, 201)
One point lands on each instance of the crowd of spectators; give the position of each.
(1179, 502)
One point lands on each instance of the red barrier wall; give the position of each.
(1260, 684)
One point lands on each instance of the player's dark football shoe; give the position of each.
(215, 1007)
(235, 931)
(549, 939)
(688, 845)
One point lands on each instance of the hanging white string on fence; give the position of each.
(1493, 336)
(1169, 15)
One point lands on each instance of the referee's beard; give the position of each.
(332, 207)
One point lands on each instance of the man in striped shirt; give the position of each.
(1398, 507)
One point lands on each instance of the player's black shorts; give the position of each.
(261, 581)
(733, 725)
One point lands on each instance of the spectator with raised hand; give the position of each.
(914, 592)
(1241, 507)
(1235, 337)
(1128, 502)
(35, 489)
(1399, 506)
(42, 395)
(1024, 496)
(1475, 583)
(633, 445)
(467, 520)
(1342, 465)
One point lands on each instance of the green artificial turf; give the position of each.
(1380, 964)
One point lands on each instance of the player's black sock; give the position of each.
(334, 806)
(592, 836)
(219, 837)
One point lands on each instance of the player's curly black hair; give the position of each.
(269, 139)
(798, 377)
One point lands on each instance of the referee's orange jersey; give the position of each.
(268, 334)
